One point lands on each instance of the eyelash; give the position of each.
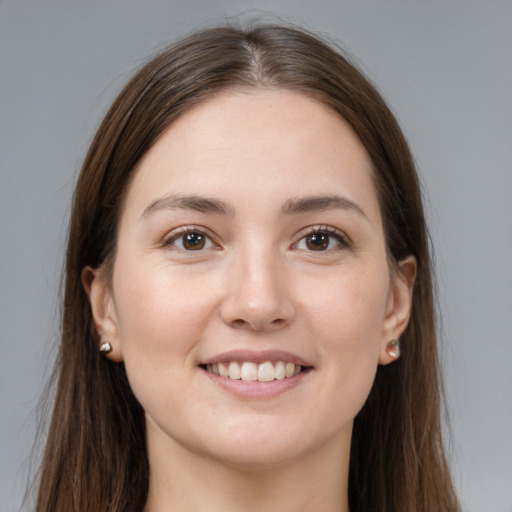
(181, 233)
(329, 232)
(312, 231)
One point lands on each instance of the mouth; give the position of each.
(265, 371)
(256, 375)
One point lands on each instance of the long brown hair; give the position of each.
(95, 458)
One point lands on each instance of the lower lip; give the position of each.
(255, 389)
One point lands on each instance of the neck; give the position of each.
(181, 480)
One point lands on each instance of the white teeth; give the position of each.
(264, 372)
(249, 371)
(223, 370)
(289, 369)
(280, 371)
(234, 371)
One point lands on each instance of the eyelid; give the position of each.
(343, 239)
(176, 233)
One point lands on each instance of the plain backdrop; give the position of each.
(445, 67)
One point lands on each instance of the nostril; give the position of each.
(240, 323)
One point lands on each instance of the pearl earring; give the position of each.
(393, 348)
(106, 347)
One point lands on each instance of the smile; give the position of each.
(263, 372)
(252, 374)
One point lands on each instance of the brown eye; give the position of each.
(317, 241)
(190, 241)
(193, 241)
(322, 239)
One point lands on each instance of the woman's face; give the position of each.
(252, 237)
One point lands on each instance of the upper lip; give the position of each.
(256, 357)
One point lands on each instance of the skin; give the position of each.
(257, 284)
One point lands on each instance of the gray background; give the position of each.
(445, 68)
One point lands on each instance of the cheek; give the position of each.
(350, 308)
(347, 316)
(161, 319)
(159, 314)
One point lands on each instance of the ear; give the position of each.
(398, 309)
(103, 310)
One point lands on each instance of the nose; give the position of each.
(257, 295)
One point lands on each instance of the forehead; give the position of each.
(270, 143)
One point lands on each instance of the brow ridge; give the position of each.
(307, 204)
(189, 202)
(293, 206)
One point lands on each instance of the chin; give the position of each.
(267, 444)
(256, 457)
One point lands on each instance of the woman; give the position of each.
(248, 317)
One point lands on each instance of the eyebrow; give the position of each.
(294, 206)
(189, 202)
(320, 203)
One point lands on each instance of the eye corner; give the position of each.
(321, 239)
(190, 239)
